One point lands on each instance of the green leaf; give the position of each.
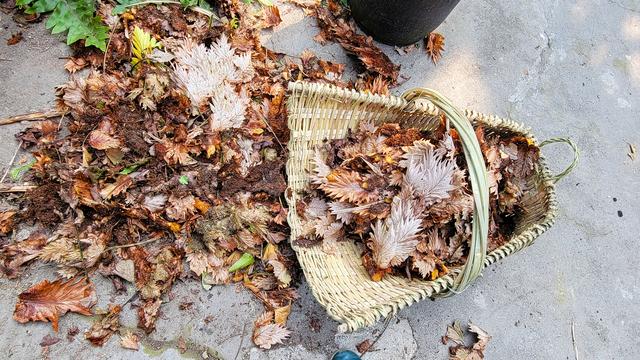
(245, 260)
(78, 18)
(266, 2)
(188, 3)
(133, 167)
(184, 180)
(205, 5)
(123, 5)
(23, 3)
(37, 6)
(17, 172)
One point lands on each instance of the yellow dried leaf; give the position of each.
(281, 314)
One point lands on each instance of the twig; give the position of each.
(106, 50)
(8, 188)
(130, 245)
(60, 121)
(386, 325)
(11, 162)
(573, 339)
(274, 134)
(244, 326)
(30, 117)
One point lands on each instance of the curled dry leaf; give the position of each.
(13, 256)
(14, 39)
(74, 64)
(129, 340)
(434, 44)
(460, 351)
(364, 346)
(103, 328)
(47, 301)
(6, 222)
(271, 17)
(148, 312)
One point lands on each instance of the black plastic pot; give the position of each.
(400, 22)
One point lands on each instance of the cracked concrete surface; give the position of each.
(565, 68)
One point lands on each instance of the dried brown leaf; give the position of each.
(271, 17)
(343, 31)
(268, 335)
(15, 38)
(102, 329)
(47, 301)
(454, 333)
(74, 64)
(364, 346)
(482, 337)
(15, 255)
(181, 208)
(129, 340)
(49, 340)
(122, 183)
(346, 186)
(281, 314)
(148, 312)
(98, 139)
(434, 44)
(6, 222)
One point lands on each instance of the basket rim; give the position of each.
(443, 284)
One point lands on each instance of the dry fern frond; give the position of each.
(212, 74)
(393, 240)
(428, 173)
(320, 170)
(342, 211)
(346, 186)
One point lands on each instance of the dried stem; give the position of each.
(131, 245)
(31, 117)
(8, 188)
(11, 162)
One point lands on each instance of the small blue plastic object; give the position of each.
(345, 355)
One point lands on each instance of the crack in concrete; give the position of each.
(615, 3)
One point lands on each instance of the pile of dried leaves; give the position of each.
(170, 165)
(169, 162)
(404, 194)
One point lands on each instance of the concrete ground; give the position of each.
(565, 68)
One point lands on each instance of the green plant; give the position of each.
(17, 172)
(245, 260)
(142, 44)
(76, 17)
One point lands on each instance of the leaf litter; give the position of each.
(404, 195)
(171, 157)
(170, 164)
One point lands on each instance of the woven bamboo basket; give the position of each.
(339, 281)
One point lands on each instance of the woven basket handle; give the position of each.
(576, 155)
(477, 176)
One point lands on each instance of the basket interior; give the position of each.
(339, 281)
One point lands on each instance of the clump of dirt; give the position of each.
(44, 205)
